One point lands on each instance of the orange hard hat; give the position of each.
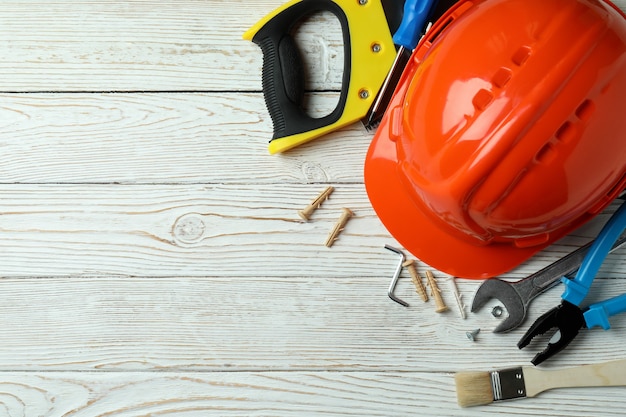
(507, 131)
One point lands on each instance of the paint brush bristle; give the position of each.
(473, 388)
(478, 388)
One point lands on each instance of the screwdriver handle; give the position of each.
(416, 13)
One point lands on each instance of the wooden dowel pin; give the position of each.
(339, 226)
(308, 210)
(417, 280)
(440, 305)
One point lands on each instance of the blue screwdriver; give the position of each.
(416, 14)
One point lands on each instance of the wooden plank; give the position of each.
(199, 230)
(195, 230)
(276, 394)
(190, 45)
(165, 138)
(85, 45)
(240, 323)
(155, 263)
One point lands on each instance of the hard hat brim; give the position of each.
(418, 234)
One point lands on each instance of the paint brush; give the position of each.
(479, 388)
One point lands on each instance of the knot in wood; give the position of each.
(189, 228)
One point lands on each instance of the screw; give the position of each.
(471, 335)
(376, 48)
(364, 94)
(363, 2)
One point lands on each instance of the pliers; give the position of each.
(568, 317)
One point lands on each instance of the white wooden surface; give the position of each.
(151, 258)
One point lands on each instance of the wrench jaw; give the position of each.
(566, 319)
(508, 324)
(505, 293)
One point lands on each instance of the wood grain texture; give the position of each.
(202, 230)
(197, 230)
(188, 45)
(191, 138)
(152, 261)
(237, 323)
(269, 394)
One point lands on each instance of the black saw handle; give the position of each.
(283, 76)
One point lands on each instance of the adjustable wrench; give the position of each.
(516, 296)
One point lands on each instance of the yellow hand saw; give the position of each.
(369, 53)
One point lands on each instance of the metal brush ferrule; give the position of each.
(508, 384)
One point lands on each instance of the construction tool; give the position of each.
(480, 388)
(568, 318)
(368, 55)
(416, 14)
(396, 275)
(516, 296)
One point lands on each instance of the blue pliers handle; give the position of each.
(576, 290)
(568, 318)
